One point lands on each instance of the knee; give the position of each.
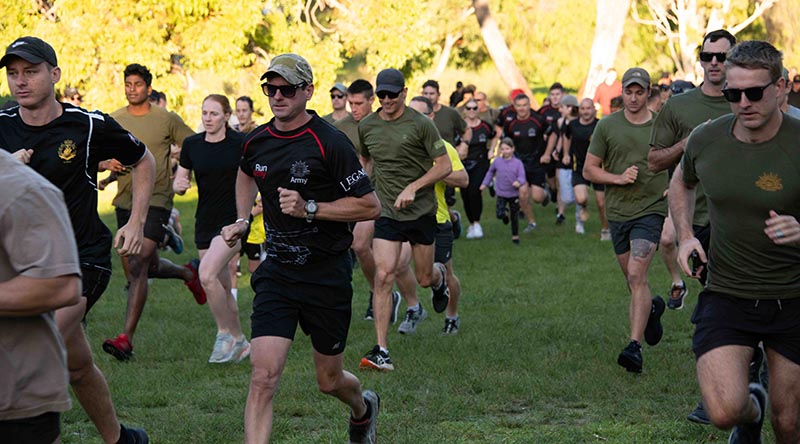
(425, 278)
(383, 276)
(636, 278)
(361, 247)
(264, 382)
(784, 420)
(80, 369)
(207, 277)
(328, 383)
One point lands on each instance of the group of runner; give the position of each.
(377, 182)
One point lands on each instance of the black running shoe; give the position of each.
(547, 193)
(365, 431)
(134, 436)
(631, 357)
(456, 220)
(560, 219)
(440, 295)
(654, 330)
(699, 415)
(676, 295)
(368, 314)
(751, 433)
(376, 359)
(396, 297)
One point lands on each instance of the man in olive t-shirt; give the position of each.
(748, 164)
(635, 205)
(405, 156)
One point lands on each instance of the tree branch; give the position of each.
(761, 8)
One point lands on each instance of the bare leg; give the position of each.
(362, 246)
(454, 285)
(215, 279)
(267, 358)
(722, 374)
(669, 251)
(784, 395)
(406, 281)
(525, 204)
(387, 255)
(601, 208)
(641, 255)
(344, 386)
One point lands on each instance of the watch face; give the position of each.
(311, 207)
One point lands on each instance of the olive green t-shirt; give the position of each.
(158, 129)
(677, 118)
(742, 183)
(621, 144)
(349, 126)
(402, 151)
(449, 123)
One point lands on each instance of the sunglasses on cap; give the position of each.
(753, 94)
(337, 96)
(708, 56)
(471, 108)
(386, 94)
(287, 91)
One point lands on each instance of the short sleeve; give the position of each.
(665, 130)
(430, 138)
(687, 162)
(345, 168)
(186, 157)
(179, 131)
(110, 141)
(598, 145)
(454, 159)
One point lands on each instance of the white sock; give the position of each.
(385, 350)
(235, 294)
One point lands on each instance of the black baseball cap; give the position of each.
(32, 49)
(390, 80)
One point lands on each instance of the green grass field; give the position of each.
(535, 361)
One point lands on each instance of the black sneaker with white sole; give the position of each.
(631, 357)
(751, 433)
(676, 295)
(396, 298)
(365, 430)
(377, 359)
(440, 296)
(699, 415)
(368, 315)
(654, 331)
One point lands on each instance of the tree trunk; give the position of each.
(611, 16)
(444, 57)
(498, 50)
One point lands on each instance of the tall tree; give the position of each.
(609, 24)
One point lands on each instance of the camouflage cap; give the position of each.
(293, 68)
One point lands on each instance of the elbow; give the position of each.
(69, 293)
(374, 207)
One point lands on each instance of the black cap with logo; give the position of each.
(32, 49)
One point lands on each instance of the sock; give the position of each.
(452, 318)
(367, 413)
(235, 294)
(123, 436)
(416, 308)
(385, 350)
(678, 284)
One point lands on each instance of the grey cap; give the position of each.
(569, 100)
(32, 49)
(339, 87)
(638, 76)
(293, 68)
(390, 80)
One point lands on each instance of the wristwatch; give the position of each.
(311, 210)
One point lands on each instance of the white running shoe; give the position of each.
(223, 347)
(477, 231)
(579, 227)
(471, 232)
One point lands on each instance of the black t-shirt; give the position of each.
(505, 115)
(580, 136)
(550, 114)
(66, 152)
(215, 166)
(528, 136)
(319, 162)
(478, 145)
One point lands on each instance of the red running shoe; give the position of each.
(194, 285)
(119, 347)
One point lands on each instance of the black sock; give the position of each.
(367, 413)
(123, 436)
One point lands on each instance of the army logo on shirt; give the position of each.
(299, 172)
(67, 151)
(769, 182)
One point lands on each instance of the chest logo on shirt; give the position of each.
(67, 151)
(769, 182)
(531, 132)
(300, 172)
(260, 171)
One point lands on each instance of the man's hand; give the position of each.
(292, 204)
(482, 187)
(782, 230)
(545, 159)
(23, 155)
(110, 165)
(405, 198)
(129, 239)
(565, 160)
(181, 184)
(629, 176)
(233, 232)
(685, 250)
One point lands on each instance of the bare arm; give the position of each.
(366, 162)
(345, 209)
(441, 168)
(463, 146)
(25, 296)
(246, 191)
(681, 207)
(458, 178)
(129, 238)
(182, 181)
(593, 172)
(566, 144)
(659, 159)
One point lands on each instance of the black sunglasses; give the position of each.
(471, 108)
(384, 94)
(707, 56)
(287, 91)
(753, 94)
(336, 96)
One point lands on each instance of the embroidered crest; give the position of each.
(67, 151)
(769, 182)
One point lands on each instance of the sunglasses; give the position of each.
(753, 94)
(287, 91)
(335, 96)
(708, 56)
(386, 94)
(472, 108)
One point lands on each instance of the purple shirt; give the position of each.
(505, 172)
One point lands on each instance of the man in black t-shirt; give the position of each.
(526, 129)
(551, 113)
(64, 144)
(312, 184)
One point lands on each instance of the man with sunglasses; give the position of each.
(338, 102)
(678, 117)
(747, 163)
(405, 156)
(312, 185)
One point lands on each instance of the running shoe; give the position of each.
(174, 240)
(654, 330)
(451, 326)
(240, 351)
(631, 357)
(560, 219)
(119, 347)
(579, 228)
(365, 431)
(133, 436)
(505, 218)
(455, 218)
(605, 234)
(699, 415)
(757, 367)
(440, 296)
(377, 359)
(529, 229)
(223, 346)
(396, 297)
(194, 284)
(676, 295)
(547, 195)
(751, 433)
(478, 231)
(368, 315)
(413, 317)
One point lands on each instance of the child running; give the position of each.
(509, 175)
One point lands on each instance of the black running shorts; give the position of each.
(204, 233)
(419, 231)
(157, 218)
(322, 311)
(42, 429)
(647, 227)
(444, 243)
(721, 319)
(94, 279)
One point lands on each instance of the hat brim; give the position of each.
(641, 82)
(28, 57)
(389, 88)
(290, 76)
